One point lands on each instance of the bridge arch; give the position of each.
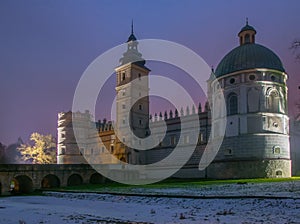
(50, 181)
(21, 184)
(96, 178)
(74, 179)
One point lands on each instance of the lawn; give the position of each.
(168, 184)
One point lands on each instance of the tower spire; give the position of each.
(132, 27)
(131, 37)
(246, 21)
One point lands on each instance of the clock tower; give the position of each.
(132, 102)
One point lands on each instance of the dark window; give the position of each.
(140, 107)
(139, 76)
(63, 151)
(173, 140)
(111, 148)
(252, 77)
(273, 78)
(232, 80)
(123, 76)
(247, 38)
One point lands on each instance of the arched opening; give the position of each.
(232, 104)
(50, 181)
(273, 102)
(21, 184)
(74, 179)
(278, 173)
(247, 39)
(96, 178)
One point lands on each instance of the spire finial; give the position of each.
(246, 20)
(132, 26)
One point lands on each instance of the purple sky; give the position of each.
(46, 45)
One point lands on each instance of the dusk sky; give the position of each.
(45, 46)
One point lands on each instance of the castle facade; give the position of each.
(252, 80)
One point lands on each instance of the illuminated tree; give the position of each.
(43, 150)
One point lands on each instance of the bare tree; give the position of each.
(295, 47)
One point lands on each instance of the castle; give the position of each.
(256, 143)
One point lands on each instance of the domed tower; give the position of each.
(256, 142)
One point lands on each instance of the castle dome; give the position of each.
(248, 55)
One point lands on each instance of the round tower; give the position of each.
(68, 151)
(253, 81)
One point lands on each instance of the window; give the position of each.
(252, 77)
(247, 38)
(123, 106)
(124, 121)
(139, 76)
(140, 122)
(276, 150)
(123, 139)
(63, 135)
(140, 107)
(186, 139)
(273, 102)
(112, 149)
(232, 104)
(228, 152)
(273, 78)
(232, 80)
(63, 151)
(123, 76)
(173, 140)
(278, 173)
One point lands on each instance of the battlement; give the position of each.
(103, 126)
(175, 114)
(66, 118)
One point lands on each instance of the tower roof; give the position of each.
(248, 55)
(247, 27)
(131, 37)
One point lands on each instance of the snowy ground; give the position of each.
(106, 208)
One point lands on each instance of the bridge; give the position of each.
(25, 178)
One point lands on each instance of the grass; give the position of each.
(169, 184)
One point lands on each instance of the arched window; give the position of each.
(232, 104)
(273, 102)
(247, 38)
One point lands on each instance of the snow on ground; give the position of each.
(105, 208)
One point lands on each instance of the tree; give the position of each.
(295, 48)
(43, 150)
